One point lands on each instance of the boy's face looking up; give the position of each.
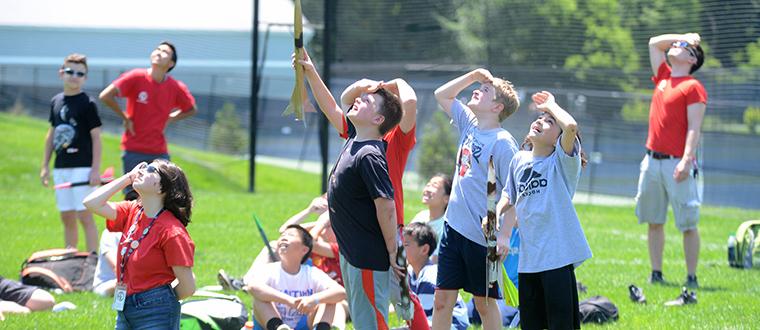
(364, 110)
(290, 246)
(73, 75)
(434, 193)
(162, 57)
(484, 99)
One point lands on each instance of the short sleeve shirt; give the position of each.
(308, 281)
(542, 189)
(668, 119)
(72, 118)
(149, 104)
(423, 285)
(167, 244)
(467, 205)
(331, 266)
(358, 178)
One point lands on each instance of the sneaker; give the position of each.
(691, 282)
(636, 294)
(686, 298)
(656, 277)
(228, 283)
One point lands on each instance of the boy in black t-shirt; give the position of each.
(74, 136)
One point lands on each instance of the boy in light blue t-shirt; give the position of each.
(540, 186)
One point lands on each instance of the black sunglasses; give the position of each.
(70, 71)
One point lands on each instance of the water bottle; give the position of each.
(732, 250)
(248, 326)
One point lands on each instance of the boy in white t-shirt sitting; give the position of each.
(291, 295)
(104, 281)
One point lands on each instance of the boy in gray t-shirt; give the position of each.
(540, 185)
(462, 250)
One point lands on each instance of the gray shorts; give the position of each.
(369, 294)
(657, 188)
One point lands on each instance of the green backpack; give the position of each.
(747, 251)
(207, 310)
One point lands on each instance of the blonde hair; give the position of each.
(507, 96)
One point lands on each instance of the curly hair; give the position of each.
(174, 185)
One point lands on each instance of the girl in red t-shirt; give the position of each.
(155, 248)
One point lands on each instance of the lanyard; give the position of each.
(133, 244)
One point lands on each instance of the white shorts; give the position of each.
(102, 288)
(657, 188)
(70, 199)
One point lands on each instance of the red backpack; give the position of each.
(65, 269)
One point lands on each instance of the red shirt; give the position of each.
(668, 121)
(400, 144)
(167, 244)
(149, 104)
(331, 266)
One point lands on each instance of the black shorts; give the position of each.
(15, 291)
(462, 265)
(549, 299)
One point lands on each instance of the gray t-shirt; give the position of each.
(542, 189)
(468, 200)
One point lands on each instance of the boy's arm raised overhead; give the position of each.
(325, 100)
(408, 99)
(659, 45)
(446, 94)
(545, 102)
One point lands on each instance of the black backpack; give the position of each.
(65, 269)
(598, 309)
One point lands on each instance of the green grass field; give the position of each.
(225, 237)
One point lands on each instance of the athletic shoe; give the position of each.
(636, 294)
(656, 278)
(691, 282)
(686, 298)
(228, 283)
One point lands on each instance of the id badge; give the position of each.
(119, 297)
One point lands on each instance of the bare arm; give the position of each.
(506, 212)
(45, 167)
(97, 151)
(446, 94)
(108, 97)
(545, 102)
(97, 201)
(408, 99)
(324, 98)
(111, 260)
(659, 44)
(179, 114)
(386, 218)
(318, 205)
(261, 291)
(695, 114)
(186, 281)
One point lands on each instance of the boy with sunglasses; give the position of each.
(74, 136)
(154, 99)
(669, 169)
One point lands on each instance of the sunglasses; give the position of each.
(149, 168)
(72, 72)
(685, 45)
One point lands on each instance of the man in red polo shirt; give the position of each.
(669, 170)
(154, 99)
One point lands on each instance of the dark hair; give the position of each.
(700, 55)
(177, 196)
(174, 53)
(75, 58)
(446, 182)
(306, 239)
(422, 234)
(527, 145)
(390, 109)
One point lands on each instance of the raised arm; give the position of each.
(317, 206)
(108, 97)
(408, 99)
(326, 102)
(659, 45)
(446, 94)
(545, 102)
(97, 201)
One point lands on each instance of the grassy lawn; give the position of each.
(225, 237)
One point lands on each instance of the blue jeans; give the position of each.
(156, 308)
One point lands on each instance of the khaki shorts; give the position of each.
(657, 188)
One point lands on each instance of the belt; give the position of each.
(659, 155)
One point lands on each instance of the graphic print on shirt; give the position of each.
(530, 182)
(142, 97)
(64, 133)
(291, 315)
(471, 149)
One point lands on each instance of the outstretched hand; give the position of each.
(543, 100)
(308, 65)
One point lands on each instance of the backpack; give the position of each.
(598, 309)
(747, 250)
(212, 311)
(66, 269)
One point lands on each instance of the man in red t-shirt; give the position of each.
(154, 99)
(669, 170)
